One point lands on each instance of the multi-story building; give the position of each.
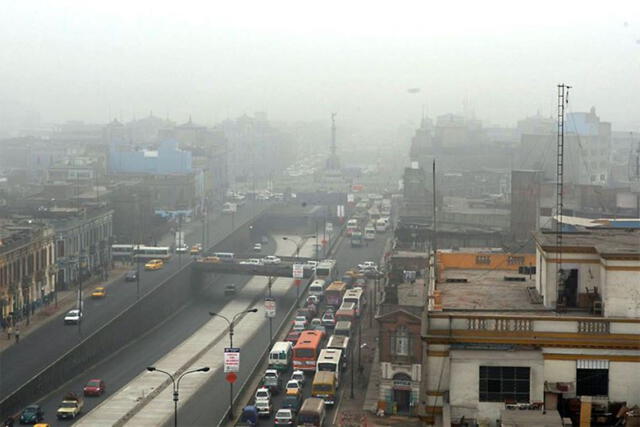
(27, 268)
(500, 331)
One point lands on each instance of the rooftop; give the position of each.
(487, 290)
(605, 241)
(412, 294)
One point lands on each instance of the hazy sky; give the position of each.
(300, 60)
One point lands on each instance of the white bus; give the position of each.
(339, 342)
(280, 355)
(330, 360)
(152, 252)
(356, 296)
(120, 252)
(317, 288)
(326, 270)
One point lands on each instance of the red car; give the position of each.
(94, 388)
(293, 336)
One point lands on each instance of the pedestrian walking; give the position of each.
(17, 335)
(9, 332)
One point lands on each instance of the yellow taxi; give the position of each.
(154, 264)
(211, 259)
(195, 249)
(42, 425)
(99, 292)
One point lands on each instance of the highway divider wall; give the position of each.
(132, 323)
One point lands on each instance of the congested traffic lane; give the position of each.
(21, 362)
(347, 258)
(211, 403)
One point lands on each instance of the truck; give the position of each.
(356, 239)
(70, 407)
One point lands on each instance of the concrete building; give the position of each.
(525, 203)
(166, 159)
(496, 338)
(27, 268)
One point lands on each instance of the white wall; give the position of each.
(465, 382)
(624, 382)
(622, 294)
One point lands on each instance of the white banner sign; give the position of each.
(270, 307)
(298, 271)
(231, 359)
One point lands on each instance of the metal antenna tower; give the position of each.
(563, 99)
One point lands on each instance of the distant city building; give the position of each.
(166, 159)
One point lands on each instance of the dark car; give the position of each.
(293, 402)
(131, 276)
(31, 414)
(293, 336)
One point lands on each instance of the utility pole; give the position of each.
(563, 98)
(435, 225)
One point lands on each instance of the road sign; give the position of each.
(298, 271)
(270, 307)
(231, 359)
(231, 377)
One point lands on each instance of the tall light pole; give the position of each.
(270, 318)
(231, 325)
(176, 387)
(137, 260)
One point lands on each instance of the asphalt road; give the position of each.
(44, 345)
(209, 406)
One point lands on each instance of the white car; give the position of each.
(368, 265)
(284, 417)
(263, 393)
(251, 261)
(182, 249)
(264, 408)
(298, 376)
(271, 259)
(73, 317)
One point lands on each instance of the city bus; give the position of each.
(145, 253)
(356, 296)
(330, 360)
(280, 355)
(334, 293)
(339, 342)
(326, 270)
(306, 350)
(122, 252)
(347, 311)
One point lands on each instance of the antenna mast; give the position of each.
(563, 99)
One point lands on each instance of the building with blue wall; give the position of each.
(166, 159)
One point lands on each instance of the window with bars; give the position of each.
(400, 342)
(504, 384)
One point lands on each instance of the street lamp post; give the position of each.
(231, 325)
(270, 318)
(176, 387)
(136, 258)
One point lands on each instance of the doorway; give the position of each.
(402, 392)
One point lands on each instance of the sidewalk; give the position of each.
(66, 300)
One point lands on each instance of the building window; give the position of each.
(483, 259)
(504, 384)
(400, 342)
(592, 378)
(515, 260)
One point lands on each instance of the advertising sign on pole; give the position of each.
(298, 271)
(270, 307)
(231, 359)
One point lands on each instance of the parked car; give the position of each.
(271, 259)
(131, 276)
(99, 292)
(284, 417)
(94, 388)
(73, 317)
(298, 376)
(31, 414)
(154, 264)
(229, 289)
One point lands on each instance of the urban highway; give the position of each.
(44, 345)
(209, 406)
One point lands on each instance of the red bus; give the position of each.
(307, 350)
